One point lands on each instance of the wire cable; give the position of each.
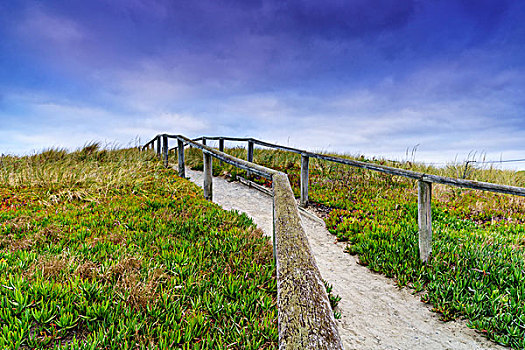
(499, 161)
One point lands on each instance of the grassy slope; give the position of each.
(107, 249)
(477, 270)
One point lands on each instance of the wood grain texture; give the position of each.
(242, 164)
(215, 138)
(221, 148)
(477, 185)
(165, 150)
(249, 156)
(158, 147)
(305, 318)
(282, 148)
(305, 161)
(424, 209)
(304, 313)
(180, 151)
(208, 176)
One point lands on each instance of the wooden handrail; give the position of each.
(425, 181)
(239, 163)
(305, 317)
(445, 180)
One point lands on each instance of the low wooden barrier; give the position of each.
(424, 182)
(305, 318)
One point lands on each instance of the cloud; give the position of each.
(39, 25)
(337, 19)
(375, 77)
(147, 128)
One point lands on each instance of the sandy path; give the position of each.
(375, 314)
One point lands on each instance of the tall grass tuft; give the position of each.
(91, 168)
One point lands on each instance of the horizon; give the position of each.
(363, 78)
(474, 159)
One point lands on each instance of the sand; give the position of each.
(375, 313)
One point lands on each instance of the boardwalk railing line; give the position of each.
(305, 318)
(424, 185)
(477, 185)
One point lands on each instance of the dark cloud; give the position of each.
(338, 19)
(360, 67)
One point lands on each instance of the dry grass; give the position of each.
(118, 251)
(82, 175)
(277, 159)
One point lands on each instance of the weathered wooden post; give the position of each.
(250, 155)
(165, 149)
(180, 149)
(424, 208)
(305, 160)
(208, 175)
(250, 151)
(221, 148)
(158, 147)
(203, 140)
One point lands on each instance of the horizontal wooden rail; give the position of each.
(279, 147)
(305, 317)
(239, 163)
(425, 182)
(185, 144)
(283, 233)
(477, 185)
(216, 138)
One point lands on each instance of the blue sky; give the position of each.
(373, 77)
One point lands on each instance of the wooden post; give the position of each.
(203, 140)
(158, 147)
(208, 173)
(424, 208)
(221, 148)
(305, 160)
(165, 149)
(180, 149)
(250, 151)
(250, 156)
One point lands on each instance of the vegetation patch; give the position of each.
(106, 249)
(477, 269)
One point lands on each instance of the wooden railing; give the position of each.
(305, 318)
(424, 182)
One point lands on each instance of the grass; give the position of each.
(106, 249)
(477, 270)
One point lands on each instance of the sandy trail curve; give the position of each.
(375, 313)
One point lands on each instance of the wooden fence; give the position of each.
(424, 182)
(305, 318)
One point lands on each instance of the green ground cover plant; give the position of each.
(106, 249)
(477, 268)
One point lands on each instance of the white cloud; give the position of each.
(148, 88)
(40, 25)
(174, 123)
